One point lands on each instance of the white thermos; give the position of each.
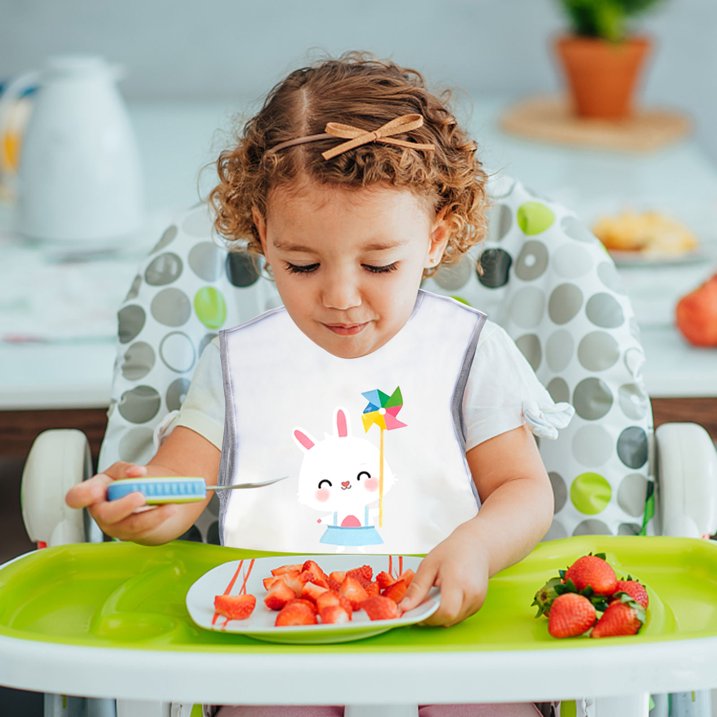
(79, 178)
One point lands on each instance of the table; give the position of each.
(122, 631)
(40, 379)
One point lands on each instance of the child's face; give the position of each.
(348, 263)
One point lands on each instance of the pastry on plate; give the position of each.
(647, 232)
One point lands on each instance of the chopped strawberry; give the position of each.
(334, 615)
(329, 598)
(287, 568)
(235, 607)
(318, 576)
(337, 576)
(278, 595)
(268, 582)
(371, 589)
(353, 591)
(296, 612)
(314, 576)
(295, 580)
(379, 607)
(364, 574)
(312, 591)
(397, 591)
(384, 580)
(623, 616)
(592, 571)
(635, 589)
(571, 615)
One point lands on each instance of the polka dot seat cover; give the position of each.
(546, 280)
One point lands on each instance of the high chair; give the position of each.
(552, 286)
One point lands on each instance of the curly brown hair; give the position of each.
(365, 92)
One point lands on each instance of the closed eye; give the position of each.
(301, 268)
(381, 269)
(363, 474)
(321, 482)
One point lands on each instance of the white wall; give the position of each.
(225, 48)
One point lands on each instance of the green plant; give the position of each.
(605, 19)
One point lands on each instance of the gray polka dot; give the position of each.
(559, 350)
(532, 260)
(559, 390)
(176, 393)
(629, 529)
(564, 303)
(632, 447)
(572, 261)
(171, 307)
(206, 340)
(592, 399)
(529, 345)
(598, 351)
(634, 361)
(139, 404)
(166, 239)
(633, 401)
(213, 537)
(214, 505)
(604, 311)
(575, 229)
(136, 445)
(560, 490)
(177, 352)
(130, 321)
(592, 526)
(608, 274)
(632, 493)
(452, 277)
(206, 260)
(527, 307)
(495, 264)
(556, 532)
(592, 445)
(198, 223)
(164, 269)
(137, 361)
(193, 534)
(500, 222)
(133, 292)
(242, 268)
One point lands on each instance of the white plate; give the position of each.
(260, 624)
(645, 259)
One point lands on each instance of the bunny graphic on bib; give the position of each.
(339, 476)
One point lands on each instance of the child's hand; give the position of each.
(128, 518)
(460, 568)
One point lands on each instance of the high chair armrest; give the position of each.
(686, 480)
(58, 459)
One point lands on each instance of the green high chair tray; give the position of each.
(130, 599)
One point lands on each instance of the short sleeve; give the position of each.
(503, 393)
(203, 408)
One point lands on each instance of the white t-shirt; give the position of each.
(501, 382)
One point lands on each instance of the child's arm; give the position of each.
(516, 512)
(183, 453)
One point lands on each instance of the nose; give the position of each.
(341, 290)
(345, 484)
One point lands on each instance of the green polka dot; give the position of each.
(461, 299)
(534, 217)
(210, 307)
(590, 493)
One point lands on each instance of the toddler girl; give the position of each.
(354, 182)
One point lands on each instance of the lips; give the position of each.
(346, 329)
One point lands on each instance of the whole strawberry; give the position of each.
(635, 589)
(594, 572)
(571, 615)
(623, 616)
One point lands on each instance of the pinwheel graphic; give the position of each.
(381, 410)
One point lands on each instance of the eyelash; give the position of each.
(311, 268)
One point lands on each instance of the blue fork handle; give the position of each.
(158, 491)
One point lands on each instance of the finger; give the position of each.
(449, 611)
(112, 512)
(88, 492)
(422, 582)
(122, 469)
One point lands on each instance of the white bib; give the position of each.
(373, 447)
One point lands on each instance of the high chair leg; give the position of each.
(140, 708)
(625, 706)
(381, 711)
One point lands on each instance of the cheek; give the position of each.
(371, 485)
(322, 495)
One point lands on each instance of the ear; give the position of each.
(438, 239)
(342, 426)
(260, 224)
(303, 440)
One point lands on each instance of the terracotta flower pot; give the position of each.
(602, 76)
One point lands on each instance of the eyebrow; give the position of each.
(374, 246)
